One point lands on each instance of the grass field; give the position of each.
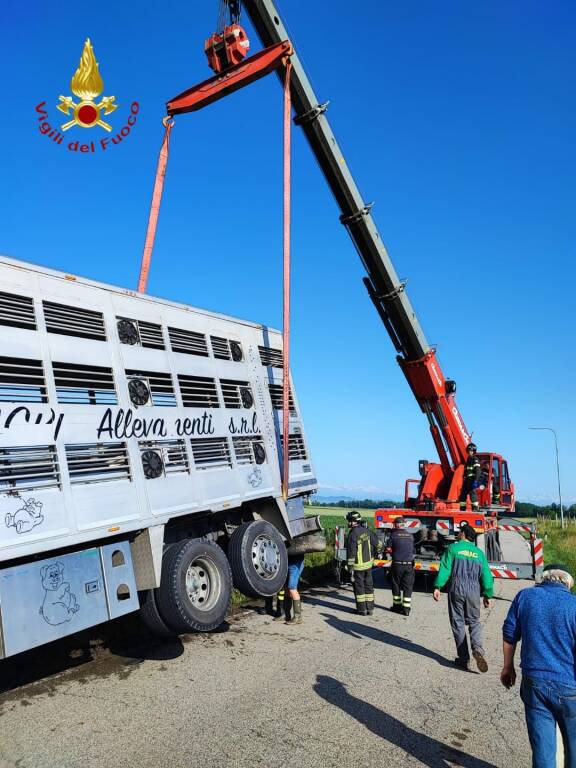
(330, 517)
(559, 545)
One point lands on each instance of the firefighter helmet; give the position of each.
(353, 517)
(471, 447)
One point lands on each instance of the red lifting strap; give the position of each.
(155, 206)
(286, 327)
(200, 96)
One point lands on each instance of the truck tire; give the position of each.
(195, 592)
(258, 558)
(150, 616)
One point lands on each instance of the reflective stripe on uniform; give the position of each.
(361, 598)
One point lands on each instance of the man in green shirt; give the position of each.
(465, 569)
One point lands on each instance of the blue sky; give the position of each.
(458, 119)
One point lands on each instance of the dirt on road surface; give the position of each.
(340, 690)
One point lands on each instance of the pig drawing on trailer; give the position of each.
(140, 460)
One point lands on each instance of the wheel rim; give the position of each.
(265, 557)
(203, 583)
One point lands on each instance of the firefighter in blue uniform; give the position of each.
(401, 547)
(472, 476)
(362, 546)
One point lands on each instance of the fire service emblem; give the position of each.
(87, 84)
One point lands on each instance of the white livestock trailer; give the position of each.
(140, 459)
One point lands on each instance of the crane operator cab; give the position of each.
(496, 492)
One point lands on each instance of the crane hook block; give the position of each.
(227, 48)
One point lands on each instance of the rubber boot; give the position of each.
(287, 609)
(280, 607)
(268, 607)
(297, 618)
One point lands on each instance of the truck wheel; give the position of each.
(195, 592)
(150, 616)
(258, 558)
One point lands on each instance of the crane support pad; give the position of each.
(231, 80)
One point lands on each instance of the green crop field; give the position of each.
(330, 517)
(559, 545)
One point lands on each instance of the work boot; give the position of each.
(282, 608)
(406, 611)
(396, 608)
(268, 609)
(369, 607)
(297, 618)
(480, 659)
(461, 663)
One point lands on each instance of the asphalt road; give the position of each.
(340, 690)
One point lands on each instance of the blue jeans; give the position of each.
(546, 704)
(295, 568)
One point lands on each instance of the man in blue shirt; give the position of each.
(544, 619)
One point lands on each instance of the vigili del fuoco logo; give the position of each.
(87, 85)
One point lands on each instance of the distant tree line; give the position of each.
(523, 508)
(355, 503)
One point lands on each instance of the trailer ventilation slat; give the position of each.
(198, 391)
(188, 342)
(220, 348)
(74, 321)
(97, 462)
(277, 394)
(296, 448)
(22, 381)
(211, 452)
(249, 449)
(226, 349)
(84, 384)
(236, 394)
(151, 335)
(270, 357)
(17, 311)
(159, 384)
(29, 468)
(140, 333)
(171, 457)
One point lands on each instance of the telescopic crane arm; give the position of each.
(387, 290)
(434, 393)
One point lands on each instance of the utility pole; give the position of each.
(549, 429)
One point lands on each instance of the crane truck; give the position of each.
(432, 501)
